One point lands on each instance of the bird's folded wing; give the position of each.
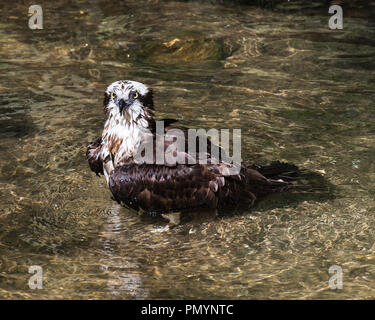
(159, 188)
(93, 155)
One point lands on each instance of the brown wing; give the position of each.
(160, 189)
(93, 156)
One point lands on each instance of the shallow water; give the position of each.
(300, 92)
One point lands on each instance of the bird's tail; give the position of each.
(279, 171)
(304, 184)
(281, 177)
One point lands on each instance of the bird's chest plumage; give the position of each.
(121, 140)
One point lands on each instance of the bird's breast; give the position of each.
(121, 141)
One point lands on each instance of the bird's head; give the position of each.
(128, 100)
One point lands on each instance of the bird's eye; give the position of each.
(113, 95)
(135, 95)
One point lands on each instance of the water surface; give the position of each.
(300, 92)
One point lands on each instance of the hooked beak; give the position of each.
(124, 104)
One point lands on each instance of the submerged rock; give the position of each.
(183, 50)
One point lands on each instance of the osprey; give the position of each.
(163, 188)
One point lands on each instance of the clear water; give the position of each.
(300, 92)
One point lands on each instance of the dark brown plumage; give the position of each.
(161, 189)
(93, 156)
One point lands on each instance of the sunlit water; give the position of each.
(300, 92)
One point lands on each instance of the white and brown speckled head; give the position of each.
(128, 99)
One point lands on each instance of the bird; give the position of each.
(162, 189)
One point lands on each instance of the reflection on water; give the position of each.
(120, 281)
(299, 91)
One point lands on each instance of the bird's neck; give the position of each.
(122, 136)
